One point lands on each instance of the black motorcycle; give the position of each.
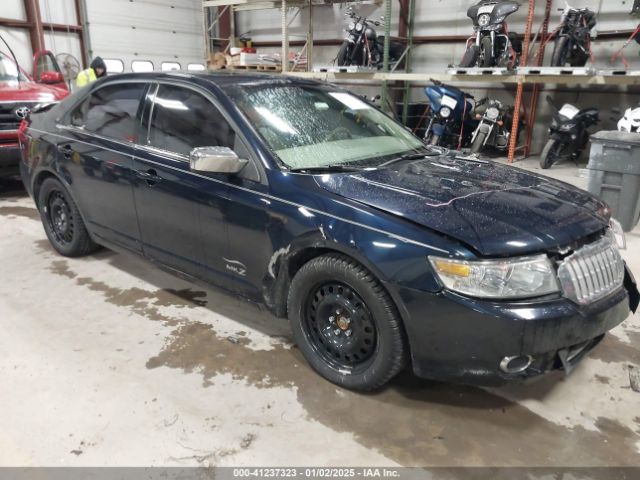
(363, 47)
(573, 43)
(494, 129)
(568, 133)
(493, 44)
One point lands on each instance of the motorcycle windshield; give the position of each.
(502, 10)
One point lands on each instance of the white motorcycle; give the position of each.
(631, 121)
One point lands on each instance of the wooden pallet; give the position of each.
(258, 68)
(479, 71)
(613, 72)
(344, 69)
(548, 71)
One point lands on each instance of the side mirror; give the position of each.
(51, 78)
(215, 160)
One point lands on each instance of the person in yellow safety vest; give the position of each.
(97, 70)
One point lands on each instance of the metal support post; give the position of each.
(285, 38)
(387, 47)
(513, 144)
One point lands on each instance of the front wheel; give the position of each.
(551, 153)
(345, 324)
(478, 143)
(559, 58)
(343, 55)
(486, 53)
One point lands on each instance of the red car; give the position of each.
(20, 94)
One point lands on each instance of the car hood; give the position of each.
(496, 209)
(29, 91)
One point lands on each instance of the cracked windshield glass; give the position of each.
(310, 127)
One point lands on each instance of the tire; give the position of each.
(559, 57)
(486, 47)
(550, 154)
(470, 57)
(62, 221)
(343, 54)
(363, 354)
(478, 143)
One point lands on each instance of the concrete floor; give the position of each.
(108, 361)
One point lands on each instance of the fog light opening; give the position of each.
(516, 364)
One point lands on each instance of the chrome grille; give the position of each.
(8, 119)
(593, 272)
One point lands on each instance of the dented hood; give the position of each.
(496, 209)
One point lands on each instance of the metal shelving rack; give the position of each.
(384, 77)
(233, 6)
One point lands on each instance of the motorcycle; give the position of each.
(363, 47)
(573, 43)
(494, 129)
(493, 44)
(451, 121)
(568, 133)
(631, 121)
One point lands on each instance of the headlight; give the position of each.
(358, 27)
(567, 127)
(493, 113)
(484, 19)
(500, 279)
(351, 26)
(617, 232)
(445, 112)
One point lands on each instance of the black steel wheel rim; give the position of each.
(340, 327)
(59, 218)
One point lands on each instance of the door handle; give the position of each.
(149, 176)
(66, 150)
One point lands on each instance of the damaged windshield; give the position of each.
(311, 127)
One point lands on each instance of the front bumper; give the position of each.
(455, 338)
(9, 159)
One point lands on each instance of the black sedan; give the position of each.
(382, 252)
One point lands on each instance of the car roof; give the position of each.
(221, 78)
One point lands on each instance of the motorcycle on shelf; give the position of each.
(573, 40)
(494, 127)
(630, 122)
(451, 121)
(492, 45)
(568, 133)
(363, 46)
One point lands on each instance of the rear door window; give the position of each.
(183, 119)
(113, 111)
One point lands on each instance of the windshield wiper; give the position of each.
(329, 169)
(407, 157)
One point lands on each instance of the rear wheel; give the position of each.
(62, 221)
(345, 324)
(559, 58)
(551, 153)
(470, 57)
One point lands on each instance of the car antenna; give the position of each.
(15, 59)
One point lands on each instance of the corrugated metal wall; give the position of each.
(149, 30)
(128, 30)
